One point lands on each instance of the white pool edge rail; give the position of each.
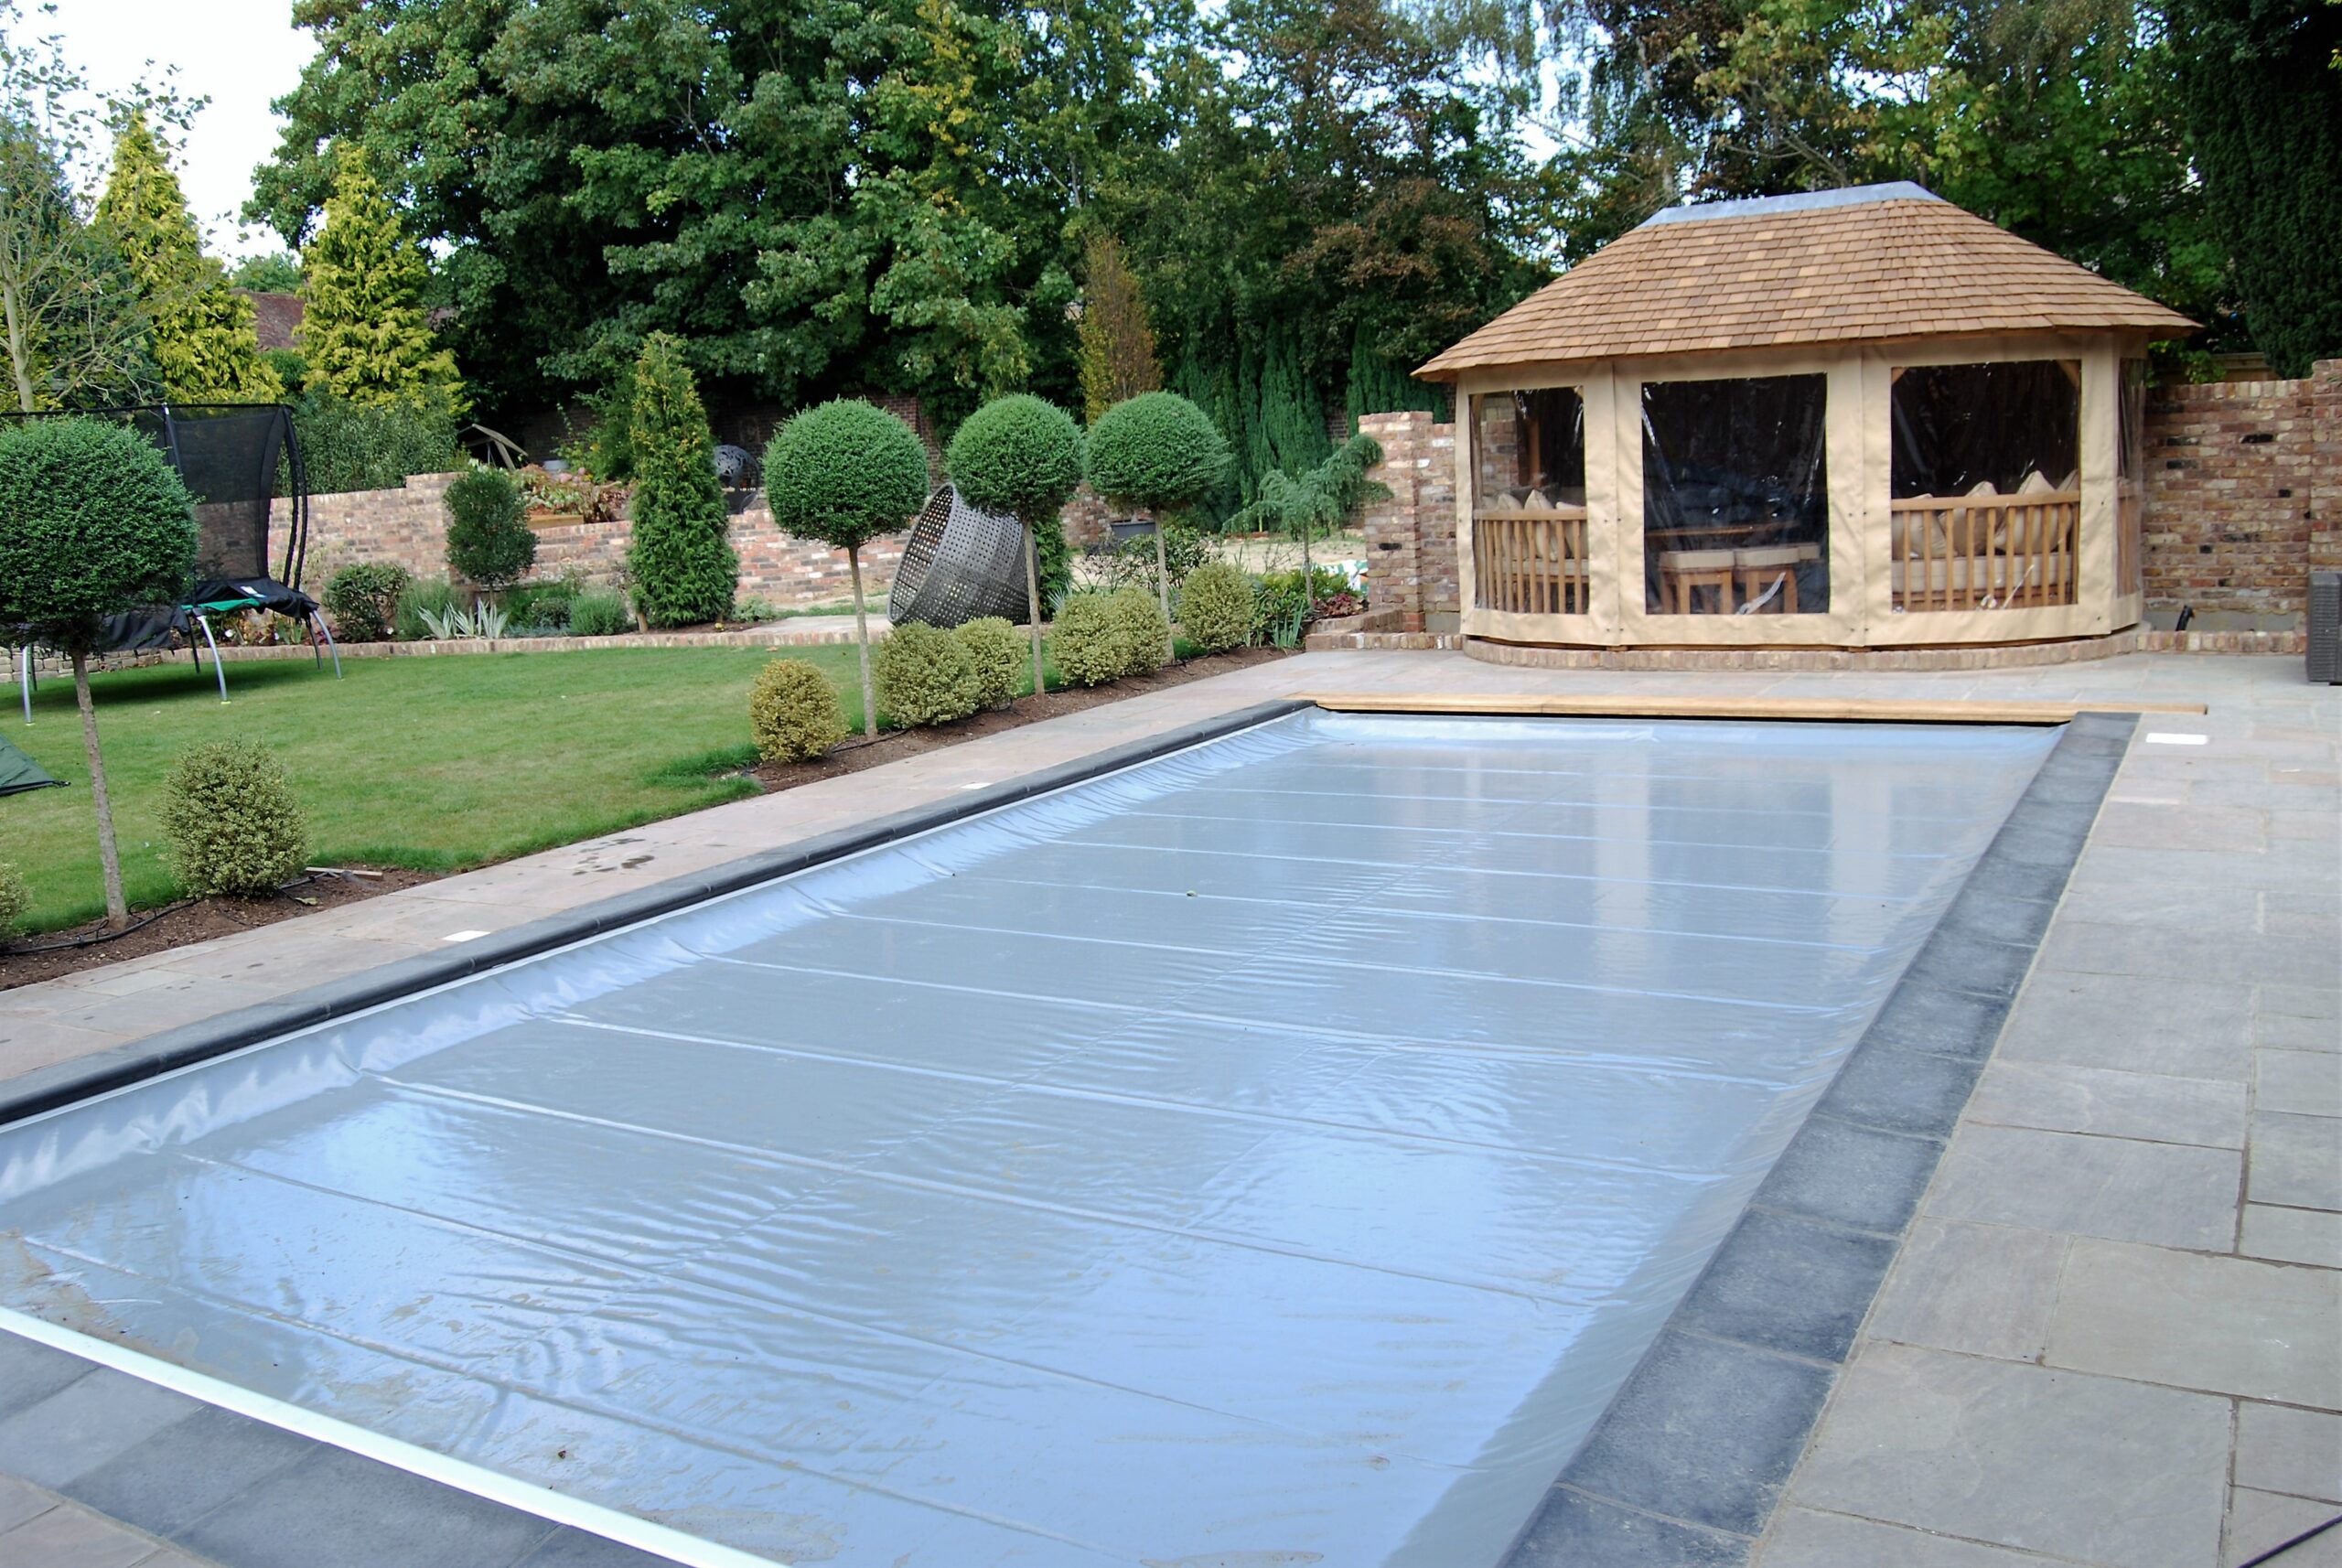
(525, 1496)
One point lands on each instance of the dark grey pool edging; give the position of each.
(48, 1088)
(1686, 1466)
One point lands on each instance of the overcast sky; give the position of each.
(238, 53)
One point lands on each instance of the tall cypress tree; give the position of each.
(205, 342)
(2264, 122)
(1293, 419)
(363, 332)
(681, 556)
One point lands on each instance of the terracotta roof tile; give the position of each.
(1890, 268)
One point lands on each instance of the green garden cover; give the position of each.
(19, 772)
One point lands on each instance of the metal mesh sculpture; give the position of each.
(958, 566)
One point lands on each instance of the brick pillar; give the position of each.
(2325, 465)
(1411, 534)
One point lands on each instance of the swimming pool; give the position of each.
(1285, 1146)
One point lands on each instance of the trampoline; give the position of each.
(232, 458)
(1277, 1151)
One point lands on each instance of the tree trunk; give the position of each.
(861, 644)
(117, 910)
(20, 350)
(1163, 592)
(1033, 602)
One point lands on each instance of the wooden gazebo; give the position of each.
(1856, 418)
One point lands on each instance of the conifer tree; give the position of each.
(1116, 361)
(681, 556)
(205, 342)
(363, 332)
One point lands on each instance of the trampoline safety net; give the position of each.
(959, 565)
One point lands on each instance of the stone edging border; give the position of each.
(1687, 1465)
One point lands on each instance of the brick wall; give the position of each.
(408, 527)
(2244, 492)
(2244, 498)
(1411, 535)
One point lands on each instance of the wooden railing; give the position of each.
(1531, 563)
(1982, 553)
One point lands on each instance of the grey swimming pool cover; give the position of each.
(1284, 1147)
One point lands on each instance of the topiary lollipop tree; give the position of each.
(1162, 454)
(1023, 457)
(94, 521)
(844, 474)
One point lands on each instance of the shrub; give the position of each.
(354, 447)
(996, 648)
(418, 602)
(844, 474)
(1131, 564)
(599, 613)
(540, 609)
(363, 600)
(1144, 635)
(233, 824)
(793, 712)
(1092, 639)
(925, 677)
(1218, 608)
(1157, 451)
(15, 900)
(681, 556)
(489, 540)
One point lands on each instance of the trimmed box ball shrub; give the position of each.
(233, 824)
(489, 540)
(680, 554)
(1020, 455)
(1217, 608)
(794, 712)
(1144, 634)
(996, 650)
(363, 600)
(1086, 640)
(599, 614)
(845, 474)
(94, 521)
(925, 677)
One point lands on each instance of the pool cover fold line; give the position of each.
(1109, 1177)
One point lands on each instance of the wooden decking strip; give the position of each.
(1876, 710)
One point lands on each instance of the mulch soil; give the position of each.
(54, 954)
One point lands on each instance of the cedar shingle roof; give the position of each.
(1878, 262)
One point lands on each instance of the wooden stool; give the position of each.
(1684, 572)
(1758, 569)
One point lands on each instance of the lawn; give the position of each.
(434, 763)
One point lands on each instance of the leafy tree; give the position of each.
(2264, 100)
(1117, 341)
(204, 337)
(847, 473)
(1023, 457)
(489, 540)
(75, 332)
(275, 272)
(680, 555)
(363, 332)
(1161, 452)
(94, 521)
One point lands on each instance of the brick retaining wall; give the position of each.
(2244, 500)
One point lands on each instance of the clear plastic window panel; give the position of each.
(2130, 479)
(1528, 537)
(1735, 497)
(1986, 480)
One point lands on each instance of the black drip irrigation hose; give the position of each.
(2312, 1533)
(19, 949)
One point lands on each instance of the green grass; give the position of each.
(437, 763)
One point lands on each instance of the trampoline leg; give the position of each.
(218, 668)
(25, 677)
(327, 635)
